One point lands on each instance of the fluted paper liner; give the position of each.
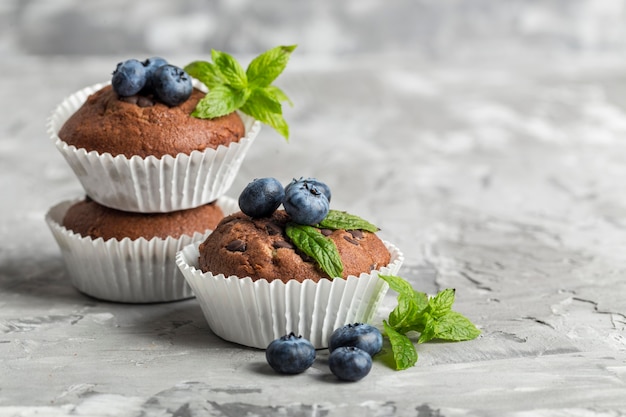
(253, 313)
(150, 184)
(131, 271)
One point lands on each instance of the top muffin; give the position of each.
(143, 126)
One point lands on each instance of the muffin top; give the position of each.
(88, 218)
(140, 125)
(259, 248)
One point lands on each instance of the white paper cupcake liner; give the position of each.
(150, 184)
(253, 313)
(130, 271)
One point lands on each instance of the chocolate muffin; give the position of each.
(259, 248)
(88, 218)
(142, 126)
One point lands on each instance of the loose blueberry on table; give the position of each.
(261, 197)
(361, 335)
(290, 354)
(349, 363)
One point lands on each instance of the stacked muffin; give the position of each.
(155, 161)
(155, 178)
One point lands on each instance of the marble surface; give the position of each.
(502, 178)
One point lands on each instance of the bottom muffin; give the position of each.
(129, 257)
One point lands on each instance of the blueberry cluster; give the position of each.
(351, 350)
(305, 200)
(169, 84)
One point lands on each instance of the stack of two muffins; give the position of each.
(155, 179)
(158, 177)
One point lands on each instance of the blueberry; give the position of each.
(151, 65)
(312, 181)
(349, 363)
(129, 78)
(361, 335)
(305, 203)
(171, 85)
(290, 354)
(261, 197)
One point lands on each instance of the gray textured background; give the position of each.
(485, 137)
(433, 29)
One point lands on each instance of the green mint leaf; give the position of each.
(454, 327)
(314, 244)
(404, 353)
(403, 287)
(205, 72)
(430, 328)
(265, 68)
(278, 94)
(342, 220)
(230, 70)
(264, 107)
(441, 304)
(406, 316)
(397, 284)
(249, 91)
(220, 101)
(432, 317)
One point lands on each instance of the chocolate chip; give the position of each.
(357, 234)
(326, 232)
(282, 244)
(143, 101)
(236, 246)
(273, 229)
(130, 99)
(349, 239)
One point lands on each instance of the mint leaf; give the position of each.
(342, 220)
(220, 101)
(265, 68)
(452, 327)
(205, 72)
(404, 289)
(399, 285)
(406, 315)
(267, 109)
(278, 94)
(230, 70)
(430, 328)
(249, 91)
(432, 317)
(404, 353)
(314, 244)
(441, 303)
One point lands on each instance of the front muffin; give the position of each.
(307, 269)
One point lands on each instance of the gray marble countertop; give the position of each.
(504, 181)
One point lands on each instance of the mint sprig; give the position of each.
(314, 244)
(250, 91)
(342, 220)
(432, 317)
